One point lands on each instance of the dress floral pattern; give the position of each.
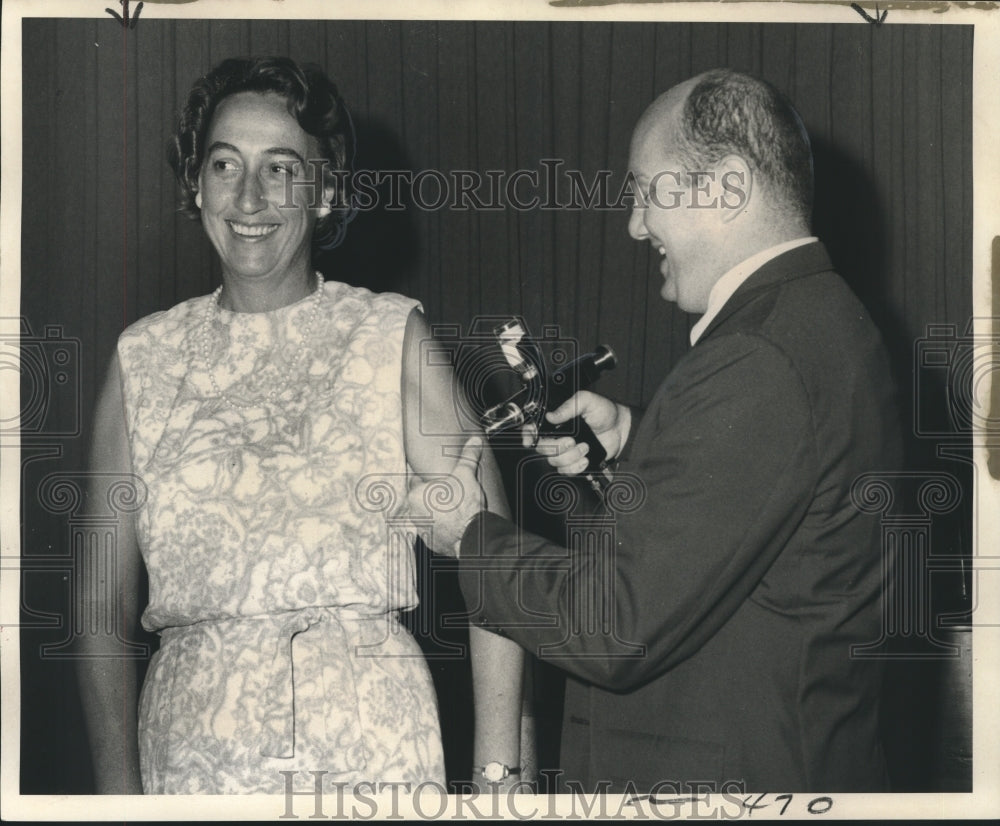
(276, 541)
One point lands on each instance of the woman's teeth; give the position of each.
(252, 230)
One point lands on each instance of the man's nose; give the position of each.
(251, 194)
(637, 224)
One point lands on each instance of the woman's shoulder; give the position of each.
(178, 318)
(375, 303)
(163, 337)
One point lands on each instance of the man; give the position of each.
(748, 574)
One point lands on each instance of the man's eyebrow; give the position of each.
(276, 150)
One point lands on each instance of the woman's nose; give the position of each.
(251, 197)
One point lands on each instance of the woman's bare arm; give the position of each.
(497, 663)
(107, 677)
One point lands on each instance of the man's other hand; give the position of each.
(449, 501)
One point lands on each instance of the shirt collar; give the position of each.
(724, 288)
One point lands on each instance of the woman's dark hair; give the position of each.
(313, 101)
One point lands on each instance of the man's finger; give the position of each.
(571, 456)
(566, 411)
(554, 446)
(528, 435)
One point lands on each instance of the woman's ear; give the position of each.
(329, 198)
(197, 185)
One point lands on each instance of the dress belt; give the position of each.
(344, 747)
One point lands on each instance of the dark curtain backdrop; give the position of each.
(889, 109)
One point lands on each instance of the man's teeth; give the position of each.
(253, 230)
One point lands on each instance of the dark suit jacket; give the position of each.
(747, 574)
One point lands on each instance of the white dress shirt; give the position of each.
(724, 288)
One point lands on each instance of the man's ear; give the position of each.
(735, 180)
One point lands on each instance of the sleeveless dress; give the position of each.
(277, 545)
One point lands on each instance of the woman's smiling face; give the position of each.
(259, 223)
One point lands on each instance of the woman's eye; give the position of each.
(283, 168)
(223, 166)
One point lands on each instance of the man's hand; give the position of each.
(443, 505)
(610, 422)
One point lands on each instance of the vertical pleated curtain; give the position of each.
(889, 109)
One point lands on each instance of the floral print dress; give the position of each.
(278, 551)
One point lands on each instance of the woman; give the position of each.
(272, 424)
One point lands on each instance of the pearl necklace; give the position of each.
(213, 309)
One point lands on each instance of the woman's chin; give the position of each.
(251, 264)
(254, 260)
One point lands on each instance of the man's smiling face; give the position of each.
(665, 211)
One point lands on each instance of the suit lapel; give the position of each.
(800, 262)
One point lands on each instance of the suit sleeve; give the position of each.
(727, 468)
(626, 451)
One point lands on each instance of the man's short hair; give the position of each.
(732, 113)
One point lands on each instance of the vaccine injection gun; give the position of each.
(542, 391)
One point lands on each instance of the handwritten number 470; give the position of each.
(817, 806)
(125, 21)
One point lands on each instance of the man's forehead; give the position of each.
(657, 124)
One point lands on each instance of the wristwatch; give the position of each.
(495, 772)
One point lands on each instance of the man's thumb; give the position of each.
(569, 409)
(472, 451)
